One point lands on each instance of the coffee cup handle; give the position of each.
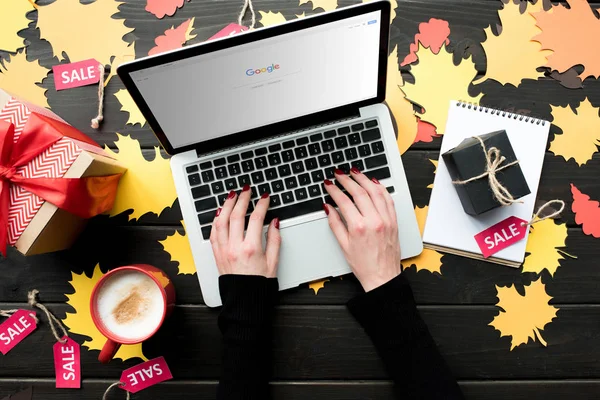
(108, 351)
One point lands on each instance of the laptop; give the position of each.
(278, 108)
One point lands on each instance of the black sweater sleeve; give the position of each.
(390, 317)
(246, 323)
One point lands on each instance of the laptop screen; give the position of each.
(264, 82)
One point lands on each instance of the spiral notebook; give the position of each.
(448, 228)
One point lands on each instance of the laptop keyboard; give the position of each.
(291, 171)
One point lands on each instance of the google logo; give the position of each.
(257, 71)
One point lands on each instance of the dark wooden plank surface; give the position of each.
(320, 351)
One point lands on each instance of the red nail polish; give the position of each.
(375, 180)
(218, 211)
(276, 223)
(328, 182)
(231, 195)
(355, 170)
(326, 209)
(338, 171)
(264, 195)
(246, 188)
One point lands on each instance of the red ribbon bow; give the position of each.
(84, 197)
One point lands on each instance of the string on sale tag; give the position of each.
(98, 118)
(536, 217)
(247, 5)
(119, 384)
(31, 297)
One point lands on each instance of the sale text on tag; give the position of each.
(146, 374)
(229, 30)
(67, 364)
(16, 328)
(81, 73)
(501, 235)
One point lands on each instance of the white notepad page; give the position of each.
(447, 224)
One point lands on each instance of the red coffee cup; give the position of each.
(129, 304)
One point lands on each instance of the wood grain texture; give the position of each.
(317, 390)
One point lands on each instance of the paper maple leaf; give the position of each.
(12, 20)
(429, 260)
(542, 245)
(326, 5)
(425, 132)
(587, 212)
(581, 132)
(572, 33)
(394, 4)
(160, 8)
(173, 38)
(437, 82)
(84, 31)
(402, 109)
(20, 77)
(271, 18)
(147, 186)
(432, 35)
(522, 317)
(178, 247)
(129, 106)
(514, 46)
(80, 321)
(435, 164)
(317, 285)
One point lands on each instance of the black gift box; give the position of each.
(468, 160)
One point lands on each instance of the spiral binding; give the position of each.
(499, 112)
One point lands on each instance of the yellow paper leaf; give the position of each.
(301, 15)
(12, 20)
(581, 132)
(437, 82)
(429, 260)
(128, 105)
(81, 323)
(84, 31)
(270, 18)
(20, 77)
(394, 4)
(118, 60)
(514, 46)
(402, 109)
(317, 285)
(435, 164)
(178, 247)
(542, 245)
(522, 317)
(326, 5)
(147, 186)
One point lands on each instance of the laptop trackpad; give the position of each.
(309, 251)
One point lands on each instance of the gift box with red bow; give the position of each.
(52, 178)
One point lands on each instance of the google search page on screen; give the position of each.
(264, 82)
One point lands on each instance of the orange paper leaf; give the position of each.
(173, 38)
(432, 35)
(425, 132)
(587, 212)
(160, 8)
(572, 33)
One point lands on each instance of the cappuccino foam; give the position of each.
(130, 305)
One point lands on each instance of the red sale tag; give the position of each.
(229, 30)
(16, 328)
(146, 374)
(81, 73)
(67, 364)
(501, 235)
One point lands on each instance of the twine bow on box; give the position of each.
(84, 197)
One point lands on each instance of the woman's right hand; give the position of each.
(369, 239)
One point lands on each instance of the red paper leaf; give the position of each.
(587, 212)
(173, 38)
(425, 132)
(432, 35)
(160, 8)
